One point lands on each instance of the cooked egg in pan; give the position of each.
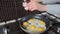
(25, 24)
(31, 27)
(32, 20)
(40, 29)
(41, 22)
(35, 25)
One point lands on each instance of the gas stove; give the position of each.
(55, 29)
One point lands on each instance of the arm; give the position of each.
(50, 1)
(45, 1)
(53, 9)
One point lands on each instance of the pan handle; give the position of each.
(19, 19)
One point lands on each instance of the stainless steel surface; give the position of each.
(2, 23)
(11, 21)
(5, 30)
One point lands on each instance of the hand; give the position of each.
(35, 6)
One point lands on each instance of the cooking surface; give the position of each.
(52, 30)
(14, 28)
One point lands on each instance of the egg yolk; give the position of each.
(42, 22)
(25, 24)
(32, 27)
(32, 20)
(40, 29)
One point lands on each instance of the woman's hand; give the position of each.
(35, 6)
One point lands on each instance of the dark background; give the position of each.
(12, 9)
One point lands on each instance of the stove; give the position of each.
(54, 29)
(7, 27)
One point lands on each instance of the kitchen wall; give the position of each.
(12, 9)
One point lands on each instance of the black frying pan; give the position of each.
(36, 16)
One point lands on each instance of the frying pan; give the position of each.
(56, 27)
(36, 16)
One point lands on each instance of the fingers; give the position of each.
(26, 8)
(31, 6)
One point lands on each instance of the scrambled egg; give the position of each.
(25, 24)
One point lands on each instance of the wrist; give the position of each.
(42, 8)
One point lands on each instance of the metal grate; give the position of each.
(8, 10)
